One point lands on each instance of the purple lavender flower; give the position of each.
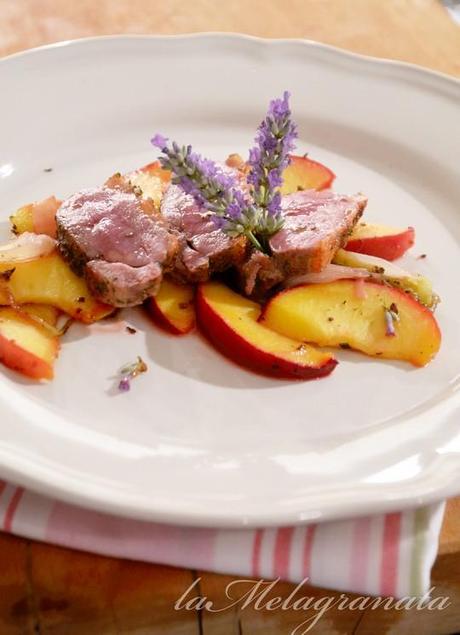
(216, 190)
(129, 372)
(256, 215)
(391, 316)
(124, 384)
(198, 176)
(275, 141)
(159, 141)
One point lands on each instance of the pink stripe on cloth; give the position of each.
(356, 555)
(11, 509)
(359, 565)
(256, 549)
(390, 552)
(282, 552)
(101, 533)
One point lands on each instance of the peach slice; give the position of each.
(173, 309)
(343, 314)
(25, 346)
(22, 220)
(155, 168)
(152, 179)
(305, 174)
(44, 216)
(6, 297)
(229, 321)
(42, 312)
(380, 240)
(49, 280)
(39, 217)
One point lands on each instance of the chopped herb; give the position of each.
(134, 369)
(131, 330)
(124, 384)
(421, 257)
(391, 317)
(47, 169)
(379, 270)
(344, 345)
(330, 319)
(129, 372)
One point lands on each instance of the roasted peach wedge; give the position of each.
(229, 321)
(49, 280)
(305, 174)
(25, 346)
(152, 180)
(22, 220)
(39, 217)
(173, 308)
(380, 240)
(42, 313)
(367, 316)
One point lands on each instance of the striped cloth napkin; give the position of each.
(384, 555)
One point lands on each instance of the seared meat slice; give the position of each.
(105, 235)
(204, 249)
(316, 224)
(258, 274)
(122, 285)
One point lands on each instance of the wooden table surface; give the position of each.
(47, 590)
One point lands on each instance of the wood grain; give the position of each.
(418, 31)
(450, 535)
(46, 590)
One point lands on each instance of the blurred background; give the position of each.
(398, 29)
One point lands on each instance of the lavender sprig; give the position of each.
(256, 215)
(211, 187)
(129, 372)
(275, 140)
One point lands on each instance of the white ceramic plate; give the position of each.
(198, 440)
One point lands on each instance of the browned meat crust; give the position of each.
(316, 224)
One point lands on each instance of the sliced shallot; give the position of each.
(328, 274)
(27, 246)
